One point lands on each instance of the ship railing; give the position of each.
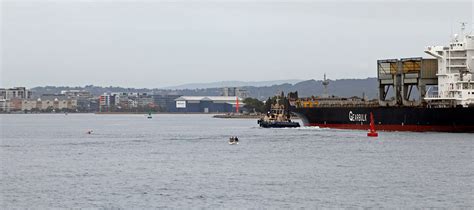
(350, 105)
(338, 104)
(433, 96)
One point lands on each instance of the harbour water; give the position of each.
(183, 161)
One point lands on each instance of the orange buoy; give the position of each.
(372, 132)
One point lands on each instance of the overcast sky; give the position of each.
(157, 44)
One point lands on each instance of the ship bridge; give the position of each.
(455, 74)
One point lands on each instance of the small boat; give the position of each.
(278, 116)
(233, 140)
(149, 116)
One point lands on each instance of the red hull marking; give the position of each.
(417, 128)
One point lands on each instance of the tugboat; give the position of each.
(278, 116)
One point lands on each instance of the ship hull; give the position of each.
(390, 118)
(264, 124)
(277, 124)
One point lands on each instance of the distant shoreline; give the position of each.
(234, 116)
(215, 115)
(113, 113)
(151, 113)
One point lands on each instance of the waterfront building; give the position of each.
(125, 101)
(84, 104)
(145, 101)
(206, 104)
(52, 97)
(29, 105)
(10, 98)
(165, 102)
(16, 92)
(47, 105)
(105, 102)
(15, 104)
(77, 93)
(94, 104)
(4, 105)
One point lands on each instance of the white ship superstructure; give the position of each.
(455, 74)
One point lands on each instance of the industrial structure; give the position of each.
(207, 104)
(404, 78)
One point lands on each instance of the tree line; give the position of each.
(255, 105)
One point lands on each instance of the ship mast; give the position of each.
(325, 84)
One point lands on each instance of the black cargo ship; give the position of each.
(390, 118)
(443, 102)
